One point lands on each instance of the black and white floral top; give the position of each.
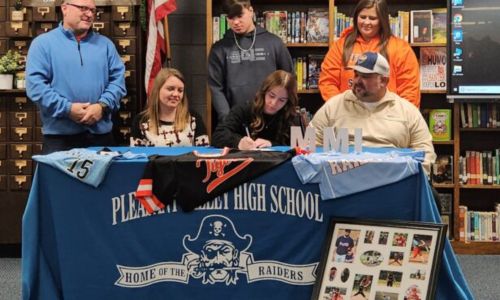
(195, 134)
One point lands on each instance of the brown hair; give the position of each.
(285, 117)
(234, 8)
(385, 28)
(151, 114)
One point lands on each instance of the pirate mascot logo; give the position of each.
(218, 247)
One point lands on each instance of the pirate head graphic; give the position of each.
(218, 246)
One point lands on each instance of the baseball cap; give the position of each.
(372, 62)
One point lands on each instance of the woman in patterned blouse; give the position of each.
(167, 120)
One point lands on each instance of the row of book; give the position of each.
(480, 115)
(291, 26)
(479, 167)
(479, 226)
(312, 26)
(297, 26)
(307, 69)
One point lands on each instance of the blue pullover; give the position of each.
(61, 71)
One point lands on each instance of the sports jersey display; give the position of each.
(344, 174)
(193, 179)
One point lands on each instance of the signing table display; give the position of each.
(260, 240)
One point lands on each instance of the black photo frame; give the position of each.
(379, 260)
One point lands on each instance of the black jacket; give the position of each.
(229, 132)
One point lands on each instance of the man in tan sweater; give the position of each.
(386, 119)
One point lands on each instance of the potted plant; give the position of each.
(9, 64)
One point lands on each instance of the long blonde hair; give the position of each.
(385, 28)
(151, 114)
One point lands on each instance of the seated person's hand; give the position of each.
(246, 143)
(262, 143)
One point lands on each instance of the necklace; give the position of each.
(251, 46)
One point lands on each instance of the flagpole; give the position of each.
(168, 56)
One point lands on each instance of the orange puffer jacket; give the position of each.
(404, 78)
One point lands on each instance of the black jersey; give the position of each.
(192, 179)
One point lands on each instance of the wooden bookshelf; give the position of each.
(310, 98)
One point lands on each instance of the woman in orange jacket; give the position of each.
(371, 32)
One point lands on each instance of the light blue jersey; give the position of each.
(340, 175)
(85, 165)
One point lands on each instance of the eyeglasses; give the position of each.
(83, 8)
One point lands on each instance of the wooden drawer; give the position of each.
(37, 149)
(130, 78)
(102, 28)
(20, 45)
(125, 45)
(124, 118)
(129, 61)
(3, 14)
(103, 14)
(38, 119)
(124, 135)
(44, 14)
(4, 46)
(21, 104)
(3, 119)
(21, 118)
(38, 134)
(3, 134)
(3, 166)
(122, 13)
(20, 151)
(3, 182)
(20, 182)
(17, 29)
(21, 134)
(3, 151)
(127, 103)
(19, 166)
(124, 29)
(41, 28)
(15, 15)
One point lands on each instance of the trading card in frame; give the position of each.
(379, 260)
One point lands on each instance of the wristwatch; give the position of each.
(105, 108)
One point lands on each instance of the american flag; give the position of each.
(157, 11)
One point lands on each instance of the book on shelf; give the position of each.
(404, 25)
(445, 219)
(313, 70)
(440, 124)
(462, 222)
(433, 68)
(446, 203)
(439, 25)
(317, 25)
(421, 26)
(442, 169)
(215, 28)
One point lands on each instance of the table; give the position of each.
(81, 242)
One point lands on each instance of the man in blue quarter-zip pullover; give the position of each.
(76, 78)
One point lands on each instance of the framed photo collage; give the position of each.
(379, 260)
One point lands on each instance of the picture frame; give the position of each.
(364, 259)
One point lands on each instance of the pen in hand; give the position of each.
(247, 131)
